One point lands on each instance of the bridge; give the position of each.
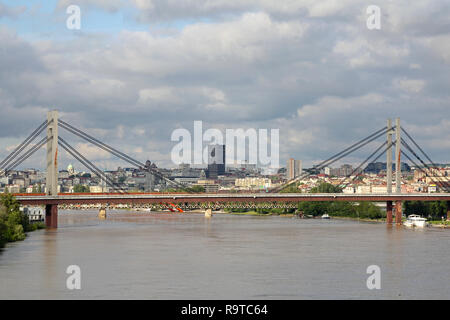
(274, 199)
(219, 201)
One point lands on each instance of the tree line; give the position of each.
(13, 222)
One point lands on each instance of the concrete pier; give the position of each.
(51, 215)
(389, 207)
(398, 212)
(102, 213)
(208, 213)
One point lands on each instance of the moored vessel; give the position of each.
(416, 221)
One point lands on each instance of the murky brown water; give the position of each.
(185, 256)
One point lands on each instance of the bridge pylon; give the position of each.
(52, 154)
(389, 171)
(51, 210)
(398, 172)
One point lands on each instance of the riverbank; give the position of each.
(18, 232)
(254, 213)
(291, 215)
(14, 224)
(440, 224)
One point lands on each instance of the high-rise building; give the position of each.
(216, 161)
(293, 169)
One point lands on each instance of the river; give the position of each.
(186, 256)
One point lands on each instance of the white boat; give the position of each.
(415, 220)
(325, 216)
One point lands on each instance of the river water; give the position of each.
(186, 256)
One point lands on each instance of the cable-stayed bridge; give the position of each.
(276, 198)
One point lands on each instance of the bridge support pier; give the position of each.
(51, 215)
(398, 212)
(448, 210)
(102, 214)
(389, 212)
(208, 213)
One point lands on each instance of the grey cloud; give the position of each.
(324, 81)
(11, 11)
(107, 5)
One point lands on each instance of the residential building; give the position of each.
(293, 169)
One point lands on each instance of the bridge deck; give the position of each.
(250, 197)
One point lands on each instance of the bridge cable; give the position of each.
(418, 147)
(404, 143)
(89, 165)
(352, 148)
(27, 154)
(423, 152)
(339, 156)
(100, 144)
(327, 162)
(378, 157)
(119, 154)
(363, 163)
(23, 145)
(89, 168)
(116, 152)
(422, 170)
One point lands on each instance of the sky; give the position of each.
(139, 69)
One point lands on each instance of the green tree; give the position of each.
(13, 223)
(369, 210)
(8, 201)
(339, 208)
(434, 210)
(197, 189)
(193, 189)
(79, 188)
(3, 232)
(326, 188)
(293, 188)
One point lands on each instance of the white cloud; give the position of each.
(309, 68)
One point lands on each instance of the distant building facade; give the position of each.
(293, 169)
(216, 161)
(377, 167)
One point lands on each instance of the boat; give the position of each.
(325, 216)
(416, 221)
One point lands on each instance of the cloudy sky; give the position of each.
(139, 69)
